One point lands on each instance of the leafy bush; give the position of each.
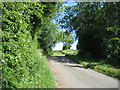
(22, 65)
(113, 44)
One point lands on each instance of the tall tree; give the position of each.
(89, 20)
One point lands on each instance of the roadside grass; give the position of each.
(57, 53)
(102, 66)
(66, 51)
(47, 80)
(61, 52)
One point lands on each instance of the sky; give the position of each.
(59, 45)
(74, 45)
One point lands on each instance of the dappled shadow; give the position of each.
(61, 59)
(79, 66)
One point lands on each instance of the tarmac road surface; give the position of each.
(72, 75)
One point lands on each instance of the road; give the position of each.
(72, 75)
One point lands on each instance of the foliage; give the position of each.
(48, 38)
(22, 65)
(61, 52)
(67, 39)
(113, 43)
(49, 34)
(91, 21)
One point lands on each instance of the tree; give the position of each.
(89, 20)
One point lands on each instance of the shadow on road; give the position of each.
(61, 59)
(76, 66)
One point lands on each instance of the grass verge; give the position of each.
(61, 52)
(46, 79)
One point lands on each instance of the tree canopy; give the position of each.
(97, 27)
